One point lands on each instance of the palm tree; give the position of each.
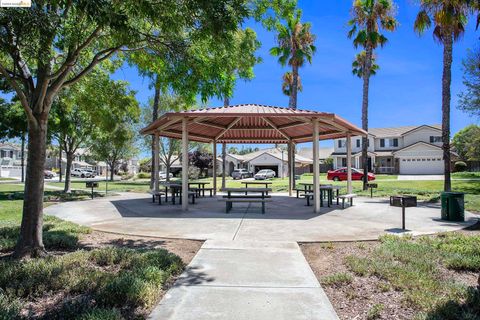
(295, 46)
(369, 17)
(358, 65)
(449, 18)
(288, 83)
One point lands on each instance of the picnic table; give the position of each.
(328, 189)
(176, 191)
(256, 183)
(241, 195)
(201, 187)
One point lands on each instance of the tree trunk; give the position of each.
(226, 101)
(60, 160)
(112, 167)
(68, 170)
(294, 89)
(156, 101)
(30, 242)
(446, 82)
(366, 84)
(167, 171)
(23, 157)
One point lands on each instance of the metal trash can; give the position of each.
(453, 206)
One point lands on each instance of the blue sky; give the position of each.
(406, 90)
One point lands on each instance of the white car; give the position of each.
(81, 173)
(163, 175)
(264, 174)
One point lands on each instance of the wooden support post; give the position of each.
(155, 161)
(289, 162)
(349, 163)
(316, 168)
(184, 164)
(224, 163)
(215, 167)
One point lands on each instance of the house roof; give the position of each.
(251, 123)
(398, 131)
(416, 144)
(325, 152)
(9, 145)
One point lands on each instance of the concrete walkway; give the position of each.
(246, 280)
(286, 219)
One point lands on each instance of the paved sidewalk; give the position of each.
(246, 280)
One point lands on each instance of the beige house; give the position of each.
(398, 150)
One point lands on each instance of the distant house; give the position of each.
(271, 158)
(398, 150)
(10, 154)
(10, 160)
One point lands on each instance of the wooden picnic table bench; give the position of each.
(242, 196)
(349, 196)
(256, 183)
(327, 190)
(200, 189)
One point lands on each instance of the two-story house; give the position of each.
(400, 150)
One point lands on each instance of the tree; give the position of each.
(85, 110)
(369, 18)
(202, 160)
(467, 143)
(469, 99)
(115, 146)
(449, 18)
(14, 125)
(287, 84)
(295, 46)
(358, 65)
(53, 45)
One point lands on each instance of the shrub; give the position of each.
(460, 166)
(101, 314)
(337, 279)
(193, 172)
(143, 175)
(9, 307)
(375, 311)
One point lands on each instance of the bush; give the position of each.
(193, 172)
(143, 175)
(337, 279)
(460, 166)
(96, 283)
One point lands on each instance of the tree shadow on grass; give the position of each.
(467, 309)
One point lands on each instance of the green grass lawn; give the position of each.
(100, 283)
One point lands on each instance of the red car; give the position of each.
(341, 175)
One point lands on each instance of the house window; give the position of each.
(394, 142)
(344, 162)
(435, 139)
(341, 143)
(358, 143)
(382, 143)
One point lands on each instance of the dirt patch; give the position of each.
(365, 297)
(185, 249)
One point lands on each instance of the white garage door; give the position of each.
(421, 165)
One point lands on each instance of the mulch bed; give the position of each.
(354, 300)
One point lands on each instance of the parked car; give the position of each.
(82, 173)
(48, 174)
(241, 174)
(341, 175)
(264, 174)
(93, 173)
(163, 175)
